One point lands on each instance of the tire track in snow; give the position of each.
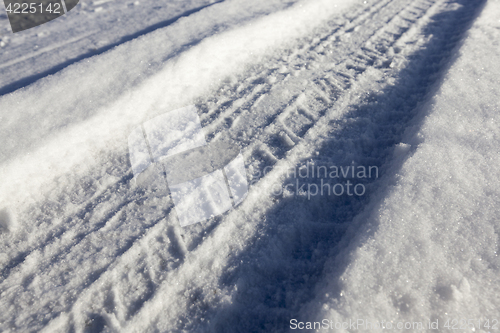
(381, 63)
(325, 88)
(89, 206)
(194, 309)
(99, 270)
(271, 291)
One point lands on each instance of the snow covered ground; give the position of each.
(427, 248)
(405, 90)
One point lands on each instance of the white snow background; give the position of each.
(411, 87)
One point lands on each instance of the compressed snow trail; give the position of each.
(101, 254)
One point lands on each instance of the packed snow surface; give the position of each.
(367, 132)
